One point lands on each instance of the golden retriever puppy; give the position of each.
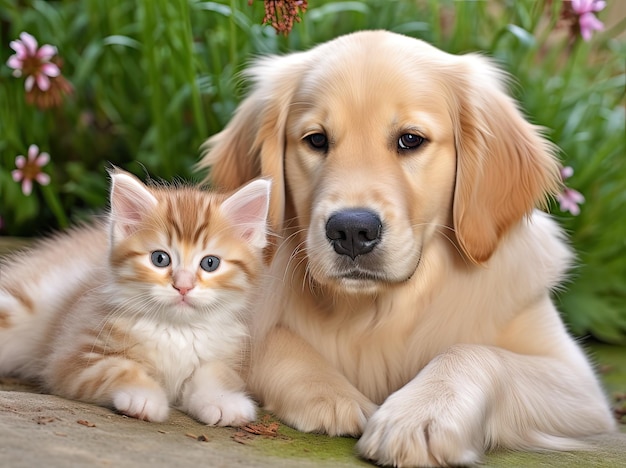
(408, 296)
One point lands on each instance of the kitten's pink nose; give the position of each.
(183, 282)
(183, 289)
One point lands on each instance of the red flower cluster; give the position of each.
(281, 14)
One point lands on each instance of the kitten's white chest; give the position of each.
(177, 351)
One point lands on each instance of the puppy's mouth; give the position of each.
(363, 282)
(357, 282)
(361, 275)
(366, 274)
(369, 277)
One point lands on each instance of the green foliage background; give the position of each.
(154, 78)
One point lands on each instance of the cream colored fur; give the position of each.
(90, 316)
(442, 342)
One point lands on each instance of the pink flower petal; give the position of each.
(567, 172)
(43, 159)
(598, 5)
(586, 34)
(20, 161)
(42, 178)
(579, 5)
(17, 73)
(575, 196)
(593, 23)
(46, 52)
(589, 23)
(43, 82)
(29, 42)
(50, 69)
(569, 200)
(17, 175)
(33, 151)
(15, 62)
(19, 48)
(27, 187)
(29, 83)
(566, 205)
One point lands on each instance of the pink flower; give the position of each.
(587, 21)
(569, 199)
(29, 169)
(33, 61)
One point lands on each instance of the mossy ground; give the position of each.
(605, 451)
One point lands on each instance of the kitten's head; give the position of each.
(177, 251)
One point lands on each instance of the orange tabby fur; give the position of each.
(90, 316)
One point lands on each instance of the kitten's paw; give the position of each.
(142, 403)
(230, 409)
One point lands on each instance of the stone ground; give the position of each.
(39, 430)
(44, 430)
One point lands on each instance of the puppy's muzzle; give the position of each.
(354, 231)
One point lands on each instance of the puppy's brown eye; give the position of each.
(317, 141)
(409, 141)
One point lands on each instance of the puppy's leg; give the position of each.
(298, 385)
(473, 397)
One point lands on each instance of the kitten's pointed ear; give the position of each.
(247, 209)
(130, 202)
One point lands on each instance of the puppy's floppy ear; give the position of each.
(253, 143)
(504, 166)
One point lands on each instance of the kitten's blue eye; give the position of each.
(160, 259)
(210, 263)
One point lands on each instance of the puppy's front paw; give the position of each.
(332, 413)
(149, 404)
(230, 409)
(422, 432)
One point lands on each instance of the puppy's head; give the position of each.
(378, 144)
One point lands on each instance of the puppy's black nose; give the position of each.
(354, 231)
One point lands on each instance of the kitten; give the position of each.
(145, 310)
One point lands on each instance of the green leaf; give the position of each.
(522, 35)
(122, 41)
